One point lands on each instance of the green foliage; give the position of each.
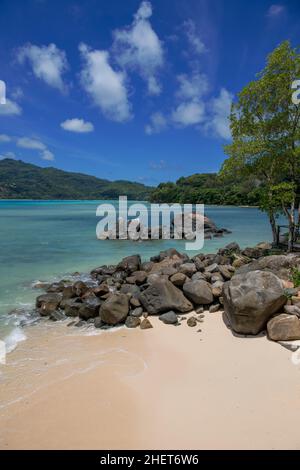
(208, 188)
(295, 277)
(277, 196)
(266, 134)
(19, 180)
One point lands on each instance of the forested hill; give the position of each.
(19, 180)
(208, 188)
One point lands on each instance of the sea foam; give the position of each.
(13, 338)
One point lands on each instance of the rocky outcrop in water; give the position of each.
(135, 229)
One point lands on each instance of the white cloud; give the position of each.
(28, 143)
(144, 11)
(218, 121)
(157, 124)
(189, 113)
(194, 39)
(10, 108)
(48, 63)
(5, 138)
(192, 86)
(275, 10)
(209, 115)
(105, 86)
(47, 155)
(8, 155)
(35, 144)
(154, 87)
(190, 110)
(139, 48)
(77, 125)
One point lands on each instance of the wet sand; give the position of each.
(164, 388)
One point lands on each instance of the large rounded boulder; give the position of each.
(115, 309)
(250, 299)
(199, 292)
(162, 296)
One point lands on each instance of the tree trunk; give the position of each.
(291, 238)
(291, 218)
(273, 227)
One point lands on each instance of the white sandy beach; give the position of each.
(164, 388)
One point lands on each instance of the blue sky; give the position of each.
(131, 89)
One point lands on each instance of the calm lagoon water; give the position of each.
(43, 240)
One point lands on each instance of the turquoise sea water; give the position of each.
(42, 240)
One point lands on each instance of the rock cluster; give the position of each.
(168, 285)
(252, 286)
(135, 230)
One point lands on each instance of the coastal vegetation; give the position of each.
(19, 180)
(208, 188)
(265, 137)
(263, 164)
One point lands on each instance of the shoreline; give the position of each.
(139, 200)
(153, 355)
(165, 388)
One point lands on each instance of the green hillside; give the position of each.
(19, 180)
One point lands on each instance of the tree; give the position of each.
(265, 131)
